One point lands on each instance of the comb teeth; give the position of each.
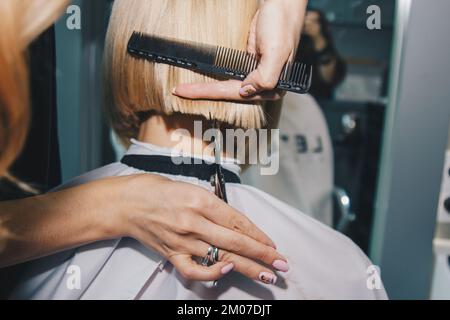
(297, 74)
(238, 62)
(241, 64)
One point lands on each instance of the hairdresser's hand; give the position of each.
(181, 221)
(274, 37)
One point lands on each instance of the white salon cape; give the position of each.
(305, 176)
(323, 263)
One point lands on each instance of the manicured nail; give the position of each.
(227, 269)
(267, 278)
(248, 90)
(281, 265)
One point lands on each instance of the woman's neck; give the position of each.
(180, 132)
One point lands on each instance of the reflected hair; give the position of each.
(135, 87)
(21, 21)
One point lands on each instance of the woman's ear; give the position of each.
(37, 16)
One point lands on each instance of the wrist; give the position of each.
(108, 216)
(291, 2)
(123, 205)
(292, 7)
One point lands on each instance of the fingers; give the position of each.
(249, 268)
(223, 215)
(251, 43)
(266, 76)
(222, 90)
(190, 270)
(274, 35)
(246, 267)
(242, 245)
(277, 29)
(204, 207)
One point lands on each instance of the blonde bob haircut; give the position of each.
(134, 87)
(21, 21)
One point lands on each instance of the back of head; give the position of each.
(134, 86)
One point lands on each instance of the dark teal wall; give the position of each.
(68, 62)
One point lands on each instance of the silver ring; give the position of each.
(206, 260)
(212, 256)
(215, 255)
(215, 259)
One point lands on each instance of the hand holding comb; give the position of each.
(214, 60)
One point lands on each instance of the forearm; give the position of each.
(46, 224)
(295, 14)
(296, 8)
(298, 3)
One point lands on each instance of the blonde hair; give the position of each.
(135, 86)
(21, 21)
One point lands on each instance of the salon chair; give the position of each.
(356, 131)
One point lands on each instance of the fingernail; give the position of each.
(248, 90)
(281, 265)
(227, 269)
(174, 90)
(267, 278)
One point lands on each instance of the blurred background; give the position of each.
(381, 101)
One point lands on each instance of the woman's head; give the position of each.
(316, 24)
(135, 87)
(21, 21)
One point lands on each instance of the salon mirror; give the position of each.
(353, 98)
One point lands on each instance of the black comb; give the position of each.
(214, 60)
